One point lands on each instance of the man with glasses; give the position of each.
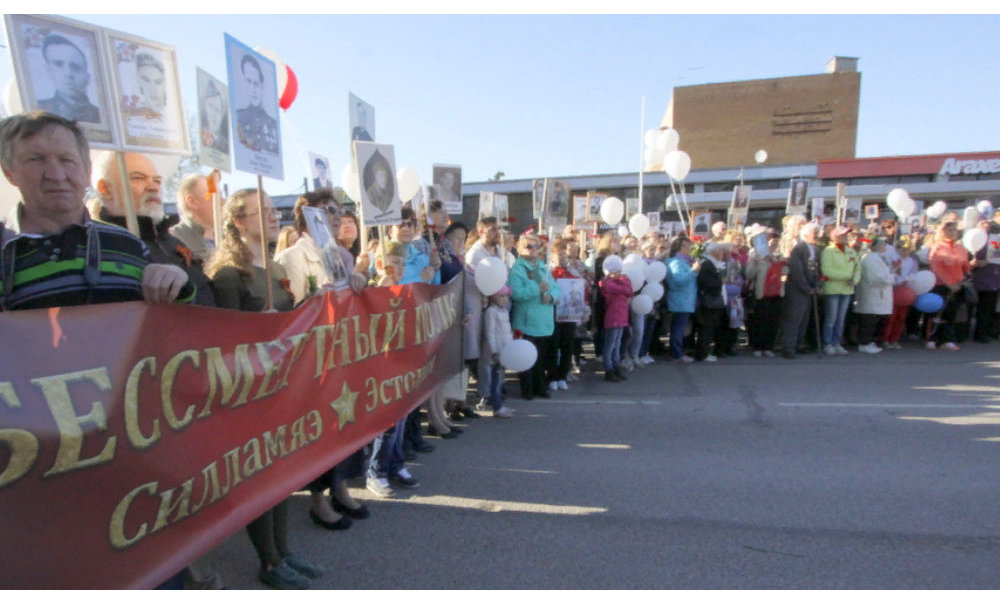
(145, 184)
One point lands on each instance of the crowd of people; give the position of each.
(800, 286)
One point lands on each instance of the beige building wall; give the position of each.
(795, 119)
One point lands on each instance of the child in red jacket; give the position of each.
(616, 290)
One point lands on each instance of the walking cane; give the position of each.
(819, 343)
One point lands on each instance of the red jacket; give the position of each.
(616, 292)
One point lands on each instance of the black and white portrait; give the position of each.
(448, 183)
(362, 119)
(558, 196)
(537, 197)
(59, 68)
(148, 93)
(213, 122)
(487, 205)
(594, 202)
(797, 197)
(319, 171)
(253, 94)
(376, 165)
(579, 210)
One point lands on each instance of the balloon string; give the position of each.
(297, 139)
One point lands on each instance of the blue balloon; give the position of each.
(929, 303)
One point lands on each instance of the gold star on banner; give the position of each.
(344, 406)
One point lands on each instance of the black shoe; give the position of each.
(433, 432)
(469, 413)
(788, 354)
(456, 415)
(409, 454)
(340, 525)
(407, 482)
(423, 447)
(620, 372)
(361, 513)
(609, 376)
(543, 394)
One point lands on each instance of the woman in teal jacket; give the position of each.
(534, 293)
(682, 292)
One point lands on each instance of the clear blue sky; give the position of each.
(560, 95)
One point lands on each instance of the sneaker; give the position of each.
(930, 346)
(830, 350)
(869, 349)
(503, 413)
(404, 479)
(481, 405)
(283, 576)
(768, 353)
(950, 346)
(553, 385)
(627, 364)
(841, 349)
(758, 353)
(711, 358)
(380, 486)
(562, 385)
(302, 567)
(687, 359)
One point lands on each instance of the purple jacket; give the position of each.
(986, 278)
(616, 292)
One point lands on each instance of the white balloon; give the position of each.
(669, 203)
(351, 183)
(652, 156)
(922, 281)
(656, 272)
(668, 140)
(922, 254)
(896, 197)
(642, 305)
(612, 210)
(650, 138)
(985, 208)
(519, 355)
(653, 290)
(677, 164)
(634, 267)
(280, 72)
(623, 231)
(634, 258)
(906, 208)
(638, 225)
(970, 218)
(974, 240)
(11, 98)
(937, 209)
(409, 183)
(491, 275)
(760, 156)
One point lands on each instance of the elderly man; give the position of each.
(145, 185)
(196, 230)
(801, 285)
(52, 253)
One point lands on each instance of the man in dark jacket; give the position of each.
(145, 184)
(803, 279)
(711, 300)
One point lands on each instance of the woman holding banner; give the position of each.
(239, 278)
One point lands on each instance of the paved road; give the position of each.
(846, 472)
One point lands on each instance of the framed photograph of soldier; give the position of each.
(319, 171)
(486, 204)
(579, 210)
(376, 167)
(447, 181)
(818, 207)
(632, 207)
(594, 202)
(213, 122)
(871, 212)
(654, 220)
(361, 118)
(701, 222)
(319, 230)
(147, 88)
(558, 196)
(570, 307)
(797, 196)
(537, 197)
(59, 67)
(253, 98)
(739, 207)
(502, 210)
(850, 211)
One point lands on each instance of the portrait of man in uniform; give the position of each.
(256, 129)
(362, 119)
(319, 168)
(67, 65)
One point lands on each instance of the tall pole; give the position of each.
(127, 200)
(264, 248)
(642, 134)
(213, 189)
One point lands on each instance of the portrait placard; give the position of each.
(701, 223)
(253, 96)
(797, 196)
(558, 196)
(818, 207)
(148, 92)
(502, 209)
(59, 67)
(571, 307)
(376, 167)
(579, 210)
(447, 181)
(632, 207)
(318, 225)
(871, 211)
(851, 211)
(361, 117)
(486, 207)
(594, 202)
(319, 171)
(739, 207)
(213, 122)
(993, 249)
(537, 197)
(759, 243)
(654, 220)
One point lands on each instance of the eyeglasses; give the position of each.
(408, 224)
(333, 211)
(531, 246)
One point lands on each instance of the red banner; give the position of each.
(135, 438)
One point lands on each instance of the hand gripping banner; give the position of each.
(135, 438)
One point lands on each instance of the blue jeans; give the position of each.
(387, 452)
(638, 325)
(647, 335)
(834, 310)
(612, 347)
(496, 385)
(678, 325)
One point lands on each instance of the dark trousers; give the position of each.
(952, 301)
(986, 316)
(763, 321)
(560, 361)
(868, 326)
(533, 380)
(795, 320)
(708, 321)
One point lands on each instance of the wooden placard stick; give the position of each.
(264, 248)
(128, 202)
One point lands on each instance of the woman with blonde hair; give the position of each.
(239, 278)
